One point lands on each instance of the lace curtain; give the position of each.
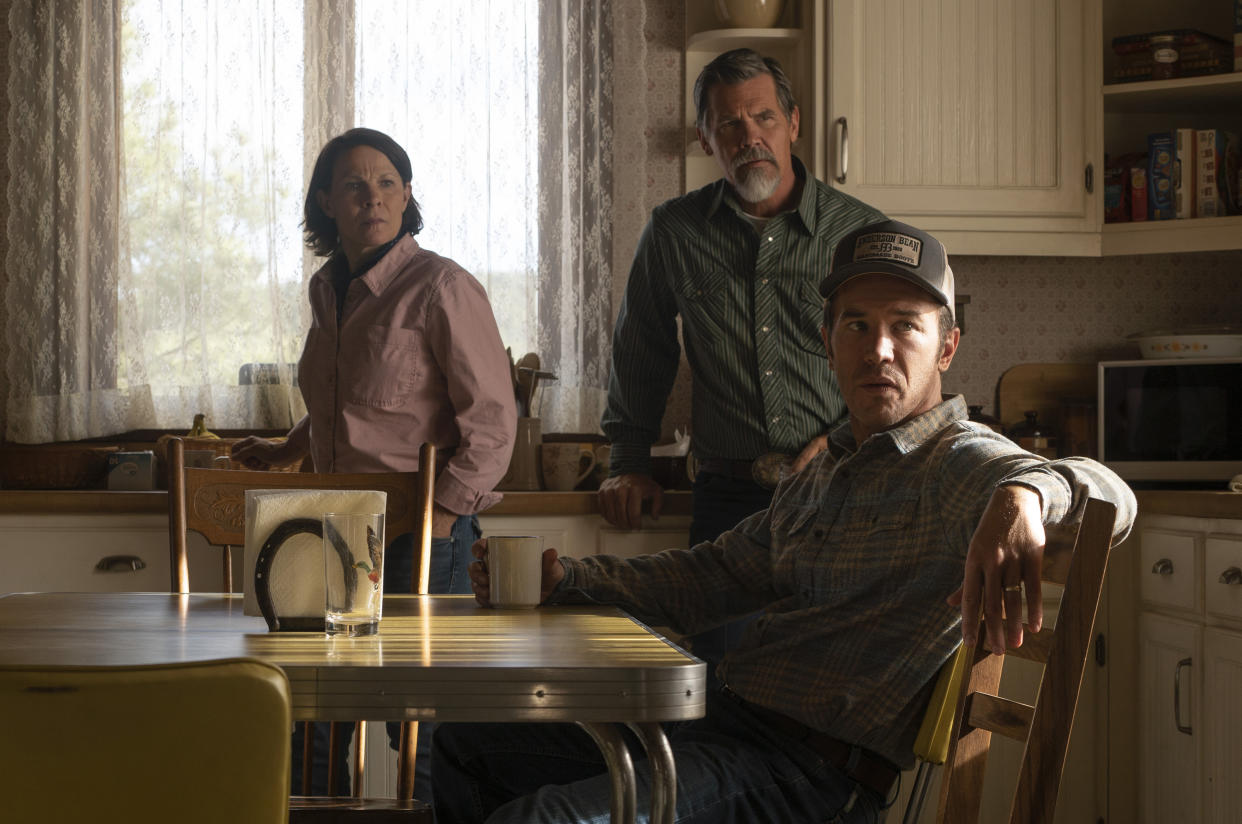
(158, 157)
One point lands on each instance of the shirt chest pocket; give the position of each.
(894, 514)
(810, 315)
(702, 302)
(379, 366)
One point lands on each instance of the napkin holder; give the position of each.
(284, 552)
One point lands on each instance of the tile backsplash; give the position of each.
(1040, 309)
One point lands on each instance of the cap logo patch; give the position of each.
(893, 246)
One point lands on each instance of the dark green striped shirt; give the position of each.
(750, 314)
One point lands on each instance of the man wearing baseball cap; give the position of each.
(859, 566)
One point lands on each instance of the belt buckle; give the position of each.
(770, 469)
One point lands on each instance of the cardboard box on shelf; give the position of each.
(1138, 193)
(1217, 171)
(1184, 177)
(1160, 150)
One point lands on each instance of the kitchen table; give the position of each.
(436, 657)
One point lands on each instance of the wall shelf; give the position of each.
(719, 40)
(1183, 94)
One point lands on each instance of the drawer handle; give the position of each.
(120, 563)
(1177, 696)
(1162, 567)
(1231, 576)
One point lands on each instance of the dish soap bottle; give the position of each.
(199, 429)
(1033, 437)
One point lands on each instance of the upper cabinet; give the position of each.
(984, 122)
(968, 119)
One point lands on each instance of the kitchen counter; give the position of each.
(1193, 504)
(87, 501)
(1197, 504)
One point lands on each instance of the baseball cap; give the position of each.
(890, 247)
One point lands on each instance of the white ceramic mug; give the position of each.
(515, 570)
(565, 465)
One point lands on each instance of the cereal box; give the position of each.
(1138, 192)
(1184, 167)
(1160, 150)
(1217, 171)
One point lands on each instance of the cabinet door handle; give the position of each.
(1177, 696)
(1162, 567)
(120, 563)
(843, 149)
(1231, 576)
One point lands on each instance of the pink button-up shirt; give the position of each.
(416, 357)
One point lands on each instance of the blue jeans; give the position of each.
(449, 559)
(721, 503)
(730, 768)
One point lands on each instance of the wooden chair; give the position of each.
(212, 503)
(965, 709)
(132, 743)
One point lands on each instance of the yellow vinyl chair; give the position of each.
(965, 708)
(145, 744)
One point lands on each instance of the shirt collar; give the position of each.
(911, 434)
(722, 195)
(382, 272)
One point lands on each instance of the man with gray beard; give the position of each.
(739, 261)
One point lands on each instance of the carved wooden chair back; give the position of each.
(966, 710)
(212, 502)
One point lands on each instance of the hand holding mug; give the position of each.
(513, 571)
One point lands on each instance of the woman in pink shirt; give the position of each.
(403, 349)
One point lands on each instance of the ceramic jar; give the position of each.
(748, 14)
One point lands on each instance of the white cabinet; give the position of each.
(962, 117)
(1222, 720)
(1168, 686)
(98, 553)
(1190, 670)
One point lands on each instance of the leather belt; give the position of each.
(765, 470)
(872, 771)
(726, 467)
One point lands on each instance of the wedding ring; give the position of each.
(1014, 588)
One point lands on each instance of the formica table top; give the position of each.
(435, 657)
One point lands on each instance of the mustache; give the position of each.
(891, 375)
(751, 155)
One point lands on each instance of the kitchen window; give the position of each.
(161, 170)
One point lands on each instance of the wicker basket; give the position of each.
(54, 466)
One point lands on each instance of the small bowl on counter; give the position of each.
(1204, 341)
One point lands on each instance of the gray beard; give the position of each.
(757, 186)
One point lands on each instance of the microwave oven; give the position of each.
(1176, 420)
